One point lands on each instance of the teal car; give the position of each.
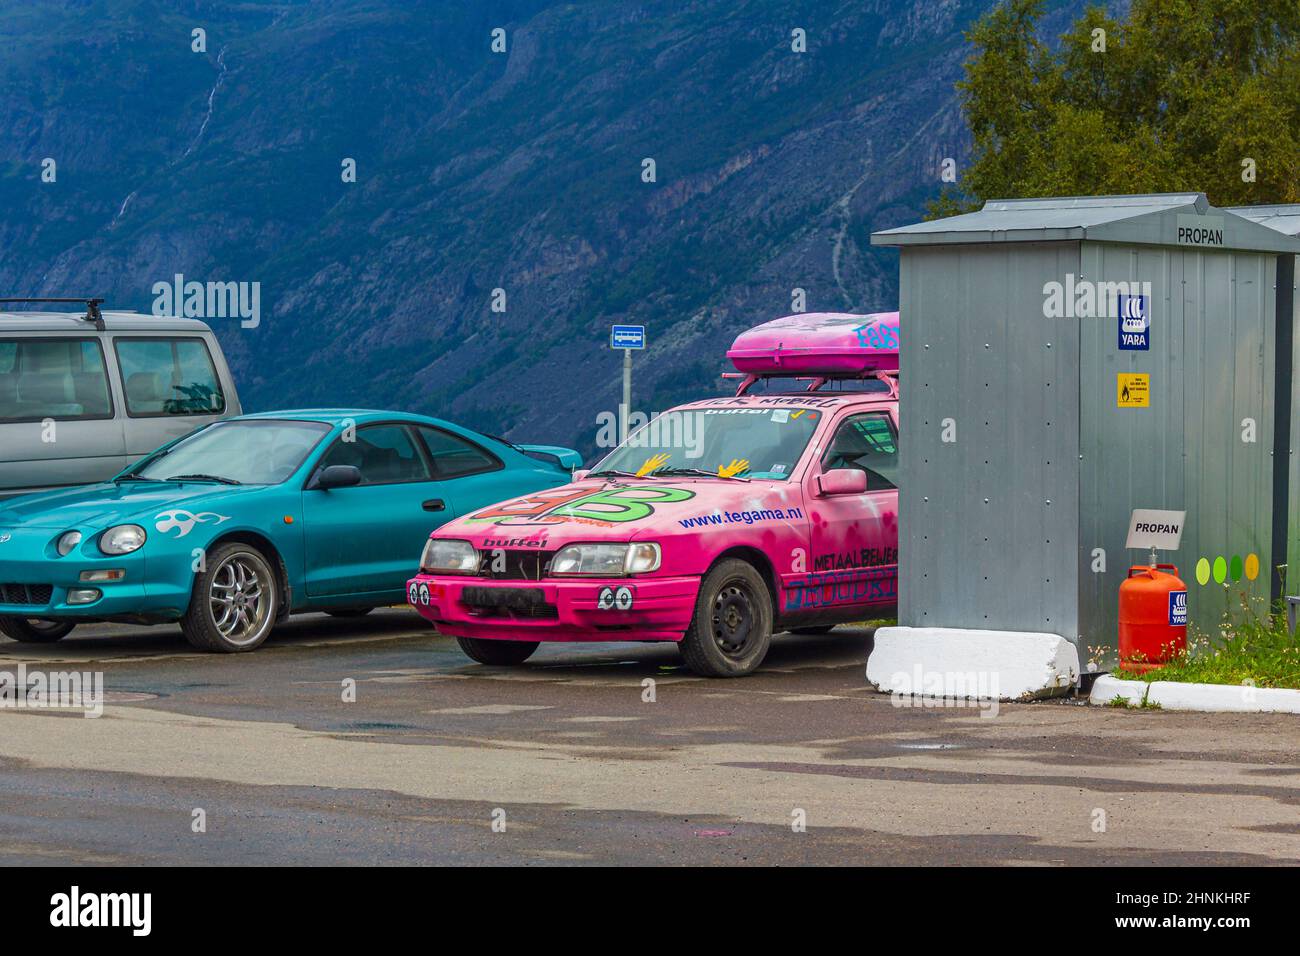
(233, 527)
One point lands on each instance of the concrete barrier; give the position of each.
(956, 662)
(1175, 695)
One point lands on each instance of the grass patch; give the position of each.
(1250, 648)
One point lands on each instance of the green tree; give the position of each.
(1186, 95)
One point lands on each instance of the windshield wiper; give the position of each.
(613, 473)
(695, 473)
(216, 478)
(134, 478)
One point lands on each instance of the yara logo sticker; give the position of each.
(185, 520)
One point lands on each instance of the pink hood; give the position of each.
(601, 510)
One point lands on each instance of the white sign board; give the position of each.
(1161, 530)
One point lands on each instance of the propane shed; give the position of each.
(1068, 360)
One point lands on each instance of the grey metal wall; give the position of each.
(1293, 509)
(1211, 366)
(990, 521)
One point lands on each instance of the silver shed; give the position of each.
(1286, 220)
(1065, 361)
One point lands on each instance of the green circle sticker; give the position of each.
(1235, 568)
(1220, 569)
(1202, 571)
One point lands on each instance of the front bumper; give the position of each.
(39, 586)
(582, 609)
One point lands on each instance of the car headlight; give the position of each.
(607, 559)
(122, 539)
(67, 541)
(449, 555)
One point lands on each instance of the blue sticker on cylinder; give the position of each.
(1177, 608)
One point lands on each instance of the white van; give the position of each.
(83, 394)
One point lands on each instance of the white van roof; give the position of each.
(113, 322)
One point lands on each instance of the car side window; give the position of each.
(384, 454)
(64, 379)
(168, 377)
(453, 456)
(865, 442)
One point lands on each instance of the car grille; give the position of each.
(36, 595)
(517, 565)
(515, 603)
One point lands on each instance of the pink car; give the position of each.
(711, 526)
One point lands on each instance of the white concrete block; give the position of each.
(957, 662)
(1174, 695)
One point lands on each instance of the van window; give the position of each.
(168, 377)
(61, 378)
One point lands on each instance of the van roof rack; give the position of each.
(93, 313)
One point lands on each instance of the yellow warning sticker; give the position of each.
(1133, 390)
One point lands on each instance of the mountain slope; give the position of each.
(476, 171)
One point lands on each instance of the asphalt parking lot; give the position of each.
(580, 765)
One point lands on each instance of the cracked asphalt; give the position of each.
(575, 759)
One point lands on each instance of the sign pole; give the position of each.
(627, 338)
(626, 410)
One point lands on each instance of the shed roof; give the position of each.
(1284, 218)
(1147, 219)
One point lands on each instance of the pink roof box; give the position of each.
(819, 343)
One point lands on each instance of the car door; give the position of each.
(854, 537)
(367, 538)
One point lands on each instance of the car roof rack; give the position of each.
(815, 382)
(93, 313)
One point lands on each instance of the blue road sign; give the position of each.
(627, 337)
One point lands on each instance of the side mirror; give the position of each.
(842, 481)
(581, 473)
(336, 476)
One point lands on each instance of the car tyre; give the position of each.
(235, 603)
(33, 630)
(817, 629)
(497, 652)
(731, 630)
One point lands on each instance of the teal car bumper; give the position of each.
(36, 582)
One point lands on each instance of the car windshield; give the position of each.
(739, 442)
(247, 452)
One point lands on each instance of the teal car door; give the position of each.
(367, 538)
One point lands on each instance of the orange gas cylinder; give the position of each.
(1152, 617)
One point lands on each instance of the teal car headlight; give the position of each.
(449, 556)
(122, 539)
(614, 560)
(66, 542)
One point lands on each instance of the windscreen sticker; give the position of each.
(653, 463)
(781, 415)
(737, 466)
